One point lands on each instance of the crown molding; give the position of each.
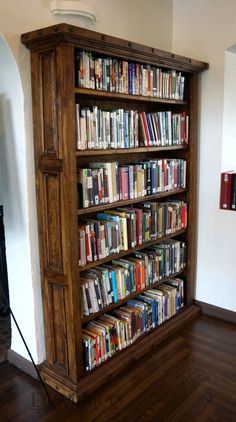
(73, 7)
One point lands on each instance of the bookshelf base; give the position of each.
(91, 381)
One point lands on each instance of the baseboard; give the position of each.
(217, 312)
(23, 364)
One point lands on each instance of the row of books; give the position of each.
(124, 228)
(228, 190)
(164, 128)
(103, 183)
(109, 283)
(101, 129)
(106, 335)
(121, 76)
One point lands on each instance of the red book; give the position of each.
(139, 226)
(120, 184)
(144, 128)
(142, 274)
(226, 189)
(137, 278)
(105, 186)
(97, 348)
(125, 183)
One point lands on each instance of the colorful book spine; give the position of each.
(114, 75)
(116, 330)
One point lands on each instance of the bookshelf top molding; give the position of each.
(108, 45)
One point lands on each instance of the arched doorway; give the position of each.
(17, 198)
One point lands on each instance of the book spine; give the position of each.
(225, 191)
(233, 196)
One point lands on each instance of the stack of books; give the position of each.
(110, 283)
(109, 333)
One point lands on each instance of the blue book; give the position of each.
(150, 130)
(140, 305)
(130, 78)
(154, 307)
(126, 126)
(112, 278)
(112, 275)
(115, 219)
(133, 78)
(117, 181)
(108, 217)
(127, 274)
(153, 177)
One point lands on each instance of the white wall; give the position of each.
(228, 161)
(146, 22)
(14, 197)
(205, 29)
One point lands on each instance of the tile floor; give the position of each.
(5, 337)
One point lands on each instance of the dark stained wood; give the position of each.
(51, 200)
(131, 250)
(48, 163)
(189, 377)
(82, 211)
(95, 41)
(92, 152)
(192, 186)
(123, 159)
(94, 93)
(113, 103)
(54, 79)
(56, 179)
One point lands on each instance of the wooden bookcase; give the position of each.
(55, 92)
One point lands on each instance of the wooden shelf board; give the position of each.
(129, 297)
(91, 152)
(130, 251)
(99, 208)
(118, 96)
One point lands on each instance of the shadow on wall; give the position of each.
(9, 182)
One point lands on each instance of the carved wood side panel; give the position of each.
(57, 325)
(52, 222)
(55, 180)
(47, 66)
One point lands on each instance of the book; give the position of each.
(226, 189)
(233, 193)
(108, 167)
